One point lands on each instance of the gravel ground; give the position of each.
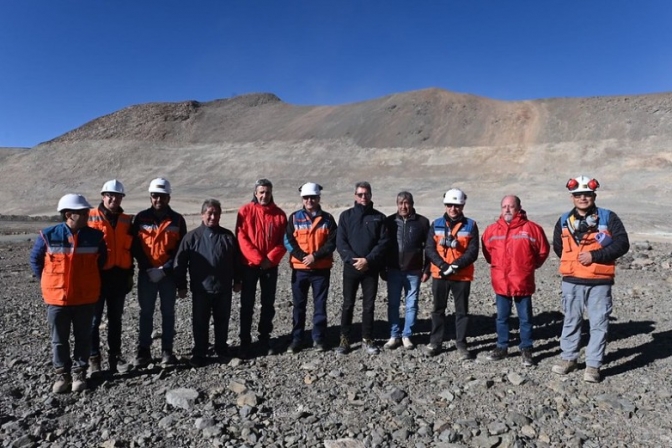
(398, 398)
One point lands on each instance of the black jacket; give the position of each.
(406, 250)
(362, 233)
(212, 257)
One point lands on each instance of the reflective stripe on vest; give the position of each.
(311, 234)
(462, 232)
(118, 239)
(569, 261)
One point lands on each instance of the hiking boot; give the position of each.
(408, 344)
(78, 381)
(144, 357)
(168, 359)
(591, 375)
(392, 343)
(497, 354)
(565, 367)
(294, 347)
(197, 361)
(62, 384)
(94, 366)
(463, 354)
(432, 350)
(526, 356)
(370, 347)
(344, 346)
(118, 364)
(320, 346)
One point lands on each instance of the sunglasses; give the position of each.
(453, 205)
(113, 195)
(310, 198)
(585, 195)
(362, 195)
(158, 195)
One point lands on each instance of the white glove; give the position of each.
(155, 274)
(451, 269)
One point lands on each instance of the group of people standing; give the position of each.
(86, 262)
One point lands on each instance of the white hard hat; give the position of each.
(113, 186)
(159, 185)
(73, 202)
(454, 196)
(310, 189)
(582, 184)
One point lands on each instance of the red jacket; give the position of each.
(514, 251)
(260, 230)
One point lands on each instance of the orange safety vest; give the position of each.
(463, 234)
(159, 242)
(118, 239)
(310, 234)
(569, 261)
(70, 275)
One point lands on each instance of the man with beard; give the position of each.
(514, 247)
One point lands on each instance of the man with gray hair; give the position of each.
(406, 268)
(211, 255)
(361, 242)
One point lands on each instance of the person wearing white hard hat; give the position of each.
(452, 247)
(157, 233)
(588, 239)
(362, 241)
(260, 229)
(311, 242)
(117, 275)
(67, 259)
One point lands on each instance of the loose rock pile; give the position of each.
(398, 398)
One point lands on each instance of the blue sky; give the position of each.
(66, 62)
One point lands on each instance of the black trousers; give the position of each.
(352, 279)
(441, 289)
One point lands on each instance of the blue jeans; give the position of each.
(525, 316)
(205, 305)
(597, 301)
(302, 280)
(115, 311)
(147, 291)
(397, 282)
(61, 319)
(268, 280)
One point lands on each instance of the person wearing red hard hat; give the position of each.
(588, 239)
(67, 259)
(116, 277)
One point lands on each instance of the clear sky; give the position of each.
(65, 62)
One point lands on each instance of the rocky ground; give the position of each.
(398, 398)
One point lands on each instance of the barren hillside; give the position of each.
(424, 141)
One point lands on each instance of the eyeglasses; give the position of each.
(310, 198)
(585, 195)
(113, 195)
(158, 195)
(362, 195)
(454, 205)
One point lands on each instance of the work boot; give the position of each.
(94, 366)
(78, 381)
(408, 344)
(197, 361)
(565, 367)
(463, 354)
(62, 384)
(526, 355)
(497, 354)
(168, 359)
(344, 346)
(143, 357)
(591, 375)
(118, 364)
(370, 347)
(432, 350)
(392, 343)
(320, 346)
